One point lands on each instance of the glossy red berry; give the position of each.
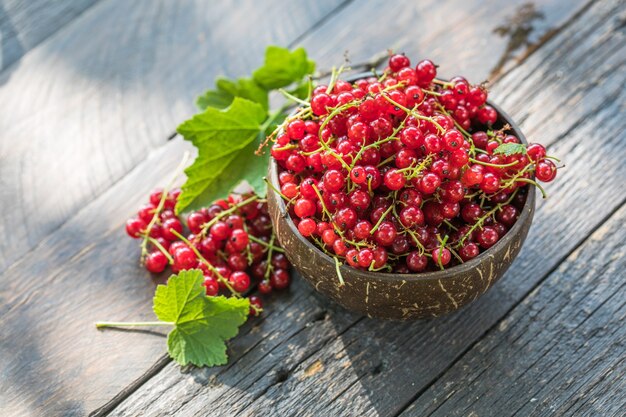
(441, 256)
(170, 225)
(304, 208)
(280, 279)
(156, 262)
(240, 281)
(184, 258)
(545, 170)
(135, 226)
(394, 179)
(487, 237)
(416, 262)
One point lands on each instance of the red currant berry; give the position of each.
(240, 281)
(545, 170)
(304, 208)
(220, 231)
(265, 287)
(256, 305)
(487, 237)
(184, 258)
(211, 286)
(280, 279)
(416, 262)
(156, 262)
(239, 239)
(195, 222)
(168, 226)
(468, 251)
(135, 226)
(307, 227)
(385, 234)
(441, 256)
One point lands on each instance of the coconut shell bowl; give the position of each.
(400, 296)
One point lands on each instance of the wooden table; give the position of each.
(90, 95)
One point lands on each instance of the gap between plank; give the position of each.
(562, 259)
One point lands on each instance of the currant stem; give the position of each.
(341, 281)
(381, 219)
(269, 268)
(476, 161)
(414, 113)
(224, 213)
(292, 97)
(326, 212)
(159, 208)
(536, 184)
(267, 245)
(276, 190)
(161, 249)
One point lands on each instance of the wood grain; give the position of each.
(560, 352)
(25, 24)
(378, 368)
(87, 105)
(97, 120)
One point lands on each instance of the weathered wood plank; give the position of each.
(52, 359)
(560, 352)
(83, 108)
(376, 368)
(462, 37)
(25, 24)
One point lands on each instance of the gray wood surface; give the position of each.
(91, 102)
(559, 352)
(101, 106)
(76, 130)
(568, 94)
(25, 24)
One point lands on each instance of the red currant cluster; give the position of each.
(404, 172)
(231, 241)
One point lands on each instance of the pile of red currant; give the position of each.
(404, 172)
(231, 241)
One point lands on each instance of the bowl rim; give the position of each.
(525, 215)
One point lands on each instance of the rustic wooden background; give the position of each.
(90, 95)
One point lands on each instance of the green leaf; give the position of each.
(202, 324)
(226, 141)
(226, 90)
(508, 149)
(283, 67)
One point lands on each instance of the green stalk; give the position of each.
(104, 324)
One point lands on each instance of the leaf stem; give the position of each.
(104, 324)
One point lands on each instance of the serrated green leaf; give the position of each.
(226, 90)
(508, 149)
(202, 324)
(223, 138)
(283, 67)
